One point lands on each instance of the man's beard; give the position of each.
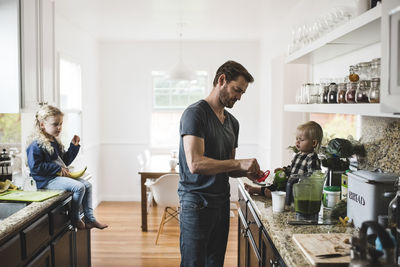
(225, 99)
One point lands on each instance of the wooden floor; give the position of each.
(124, 244)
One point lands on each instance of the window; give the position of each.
(70, 98)
(336, 125)
(10, 128)
(170, 98)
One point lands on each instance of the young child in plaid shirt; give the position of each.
(308, 141)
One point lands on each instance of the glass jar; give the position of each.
(362, 91)
(376, 68)
(324, 93)
(341, 95)
(353, 74)
(351, 92)
(364, 71)
(314, 94)
(332, 94)
(374, 92)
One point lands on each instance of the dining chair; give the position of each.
(165, 193)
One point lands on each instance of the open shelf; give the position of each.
(357, 33)
(355, 109)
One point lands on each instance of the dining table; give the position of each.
(155, 167)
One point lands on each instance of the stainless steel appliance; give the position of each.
(369, 194)
(390, 65)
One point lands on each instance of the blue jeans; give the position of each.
(81, 195)
(203, 234)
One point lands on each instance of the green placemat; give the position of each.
(31, 196)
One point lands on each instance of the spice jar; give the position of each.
(351, 92)
(324, 93)
(364, 71)
(374, 92)
(353, 74)
(341, 95)
(332, 94)
(362, 92)
(376, 68)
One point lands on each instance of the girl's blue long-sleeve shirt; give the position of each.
(41, 164)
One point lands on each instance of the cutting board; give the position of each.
(29, 196)
(316, 244)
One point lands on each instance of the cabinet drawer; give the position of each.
(10, 252)
(41, 260)
(62, 249)
(243, 201)
(60, 217)
(35, 236)
(254, 225)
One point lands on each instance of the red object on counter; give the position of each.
(265, 176)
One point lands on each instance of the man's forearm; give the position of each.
(209, 166)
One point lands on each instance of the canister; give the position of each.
(369, 194)
(331, 196)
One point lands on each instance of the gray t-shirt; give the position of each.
(219, 140)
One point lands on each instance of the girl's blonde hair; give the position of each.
(38, 133)
(313, 131)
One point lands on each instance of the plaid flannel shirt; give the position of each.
(303, 163)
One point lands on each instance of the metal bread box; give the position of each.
(369, 194)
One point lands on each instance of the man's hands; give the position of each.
(64, 172)
(75, 140)
(251, 167)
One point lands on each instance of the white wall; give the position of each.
(126, 101)
(80, 47)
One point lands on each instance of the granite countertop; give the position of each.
(18, 219)
(281, 232)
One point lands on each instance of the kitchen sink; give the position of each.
(9, 208)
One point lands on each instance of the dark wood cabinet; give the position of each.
(82, 241)
(41, 260)
(10, 252)
(255, 248)
(47, 240)
(269, 255)
(62, 249)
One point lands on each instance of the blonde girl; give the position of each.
(46, 157)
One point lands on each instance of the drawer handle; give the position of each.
(65, 212)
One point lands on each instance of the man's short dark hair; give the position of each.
(232, 71)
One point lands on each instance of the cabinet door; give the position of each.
(254, 256)
(83, 254)
(242, 240)
(62, 250)
(269, 256)
(10, 252)
(47, 68)
(30, 62)
(42, 260)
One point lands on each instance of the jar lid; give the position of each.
(377, 60)
(376, 80)
(364, 64)
(332, 188)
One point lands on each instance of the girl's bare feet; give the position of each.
(252, 189)
(80, 225)
(96, 224)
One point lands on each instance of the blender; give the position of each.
(307, 194)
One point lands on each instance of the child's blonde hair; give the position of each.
(38, 133)
(313, 131)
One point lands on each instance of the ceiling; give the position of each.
(159, 19)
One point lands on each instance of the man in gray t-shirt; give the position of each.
(209, 138)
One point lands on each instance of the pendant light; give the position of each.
(180, 72)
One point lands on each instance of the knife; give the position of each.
(332, 255)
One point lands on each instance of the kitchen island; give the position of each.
(275, 233)
(41, 234)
